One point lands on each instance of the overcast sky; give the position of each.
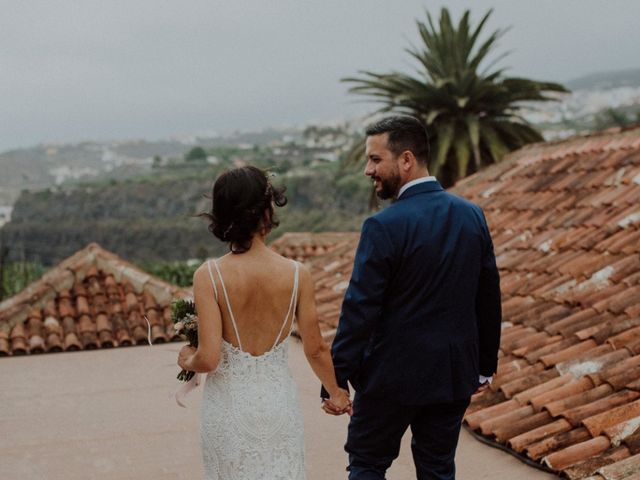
(84, 69)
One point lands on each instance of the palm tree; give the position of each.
(472, 117)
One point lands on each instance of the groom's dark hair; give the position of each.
(405, 133)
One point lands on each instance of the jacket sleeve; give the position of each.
(488, 308)
(363, 300)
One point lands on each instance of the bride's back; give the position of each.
(259, 286)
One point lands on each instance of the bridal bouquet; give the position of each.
(185, 322)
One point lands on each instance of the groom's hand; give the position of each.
(330, 408)
(338, 404)
(482, 388)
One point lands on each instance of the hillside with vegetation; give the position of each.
(153, 218)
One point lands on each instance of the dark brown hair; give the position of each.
(405, 133)
(240, 199)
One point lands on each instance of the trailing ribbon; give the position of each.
(148, 330)
(186, 388)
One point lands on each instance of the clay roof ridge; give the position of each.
(74, 268)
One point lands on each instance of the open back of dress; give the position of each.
(252, 425)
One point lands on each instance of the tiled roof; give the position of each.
(565, 220)
(304, 246)
(93, 299)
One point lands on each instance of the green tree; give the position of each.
(473, 116)
(196, 154)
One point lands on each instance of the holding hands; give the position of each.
(338, 403)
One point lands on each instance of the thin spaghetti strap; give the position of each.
(292, 302)
(295, 296)
(215, 289)
(226, 297)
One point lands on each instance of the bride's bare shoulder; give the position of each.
(201, 273)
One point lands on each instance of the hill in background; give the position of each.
(152, 215)
(607, 80)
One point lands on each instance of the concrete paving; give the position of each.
(110, 414)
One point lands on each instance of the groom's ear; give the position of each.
(407, 160)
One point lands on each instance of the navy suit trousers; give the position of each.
(377, 427)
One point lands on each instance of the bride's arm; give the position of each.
(207, 356)
(315, 348)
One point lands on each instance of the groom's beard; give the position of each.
(389, 187)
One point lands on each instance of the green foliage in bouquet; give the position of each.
(185, 322)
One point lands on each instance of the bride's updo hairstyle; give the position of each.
(243, 200)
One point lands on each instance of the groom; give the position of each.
(420, 324)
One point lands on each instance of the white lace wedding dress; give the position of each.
(251, 421)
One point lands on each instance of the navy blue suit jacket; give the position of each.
(421, 316)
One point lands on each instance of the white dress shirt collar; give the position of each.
(410, 184)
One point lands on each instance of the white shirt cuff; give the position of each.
(484, 379)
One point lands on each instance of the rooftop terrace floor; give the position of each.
(110, 414)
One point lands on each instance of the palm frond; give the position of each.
(471, 110)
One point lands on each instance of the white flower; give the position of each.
(178, 326)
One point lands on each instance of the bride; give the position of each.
(247, 301)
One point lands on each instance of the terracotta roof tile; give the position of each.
(557, 407)
(525, 382)
(520, 442)
(475, 419)
(625, 338)
(529, 337)
(625, 299)
(488, 426)
(525, 373)
(615, 369)
(577, 319)
(536, 345)
(593, 360)
(568, 353)
(574, 454)
(627, 469)
(80, 305)
(510, 430)
(621, 430)
(632, 442)
(597, 424)
(563, 391)
(632, 279)
(577, 414)
(557, 442)
(525, 396)
(602, 331)
(556, 346)
(592, 465)
(587, 323)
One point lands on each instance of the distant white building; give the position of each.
(5, 214)
(581, 103)
(65, 172)
(327, 156)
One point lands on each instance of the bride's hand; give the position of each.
(338, 403)
(185, 353)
